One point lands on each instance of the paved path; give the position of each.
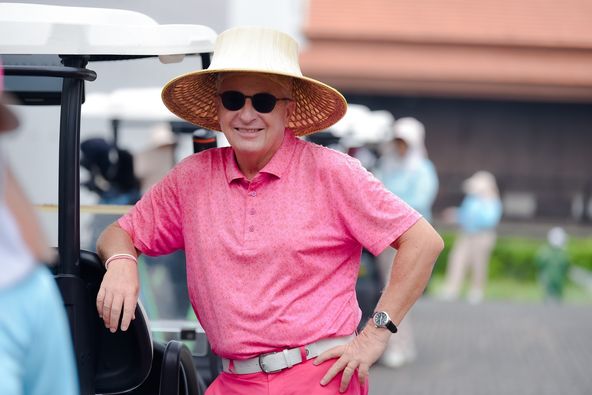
(494, 349)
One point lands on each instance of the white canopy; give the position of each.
(50, 29)
(133, 104)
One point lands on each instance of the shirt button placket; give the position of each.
(251, 212)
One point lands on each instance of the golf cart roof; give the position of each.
(56, 43)
(130, 104)
(102, 34)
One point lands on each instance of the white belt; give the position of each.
(276, 361)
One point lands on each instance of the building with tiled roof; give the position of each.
(501, 85)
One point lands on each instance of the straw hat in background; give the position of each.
(482, 183)
(193, 96)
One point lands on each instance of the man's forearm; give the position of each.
(418, 249)
(115, 240)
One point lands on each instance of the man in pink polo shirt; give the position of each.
(273, 228)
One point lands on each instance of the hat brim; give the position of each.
(8, 120)
(193, 97)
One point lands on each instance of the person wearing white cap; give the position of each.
(478, 216)
(406, 170)
(36, 353)
(273, 228)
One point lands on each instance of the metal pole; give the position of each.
(69, 172)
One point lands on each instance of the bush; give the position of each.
(513, 257)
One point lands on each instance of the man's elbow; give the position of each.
(437, 243)
(433, 244)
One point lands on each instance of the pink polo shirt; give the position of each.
(271, 263)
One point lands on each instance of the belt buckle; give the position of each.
(262, 363)
(287, 362)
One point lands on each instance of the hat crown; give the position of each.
(410, 130)
(481, 183)
(258, 49)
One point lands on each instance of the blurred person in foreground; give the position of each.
(36, 354)
(406, 170)
(552, 262)
(478, 216)
(273, 228)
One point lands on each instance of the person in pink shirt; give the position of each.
(273, 228)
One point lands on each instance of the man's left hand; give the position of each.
(360, 354)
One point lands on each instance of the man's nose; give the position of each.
(248, 112)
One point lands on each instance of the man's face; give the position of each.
(252, 133)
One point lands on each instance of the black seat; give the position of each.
(130, 362)
(178, 372)
(122, 359)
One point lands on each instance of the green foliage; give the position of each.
(580, 252)
(513, 257)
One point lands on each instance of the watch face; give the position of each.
(380, 318)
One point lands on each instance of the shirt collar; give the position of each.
(276, 166)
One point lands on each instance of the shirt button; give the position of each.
(253, 193)
(252, 212)
(251, 228)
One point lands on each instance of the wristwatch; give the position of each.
(381, 319)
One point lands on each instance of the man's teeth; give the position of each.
(247, 130)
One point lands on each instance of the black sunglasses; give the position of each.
(262, 102)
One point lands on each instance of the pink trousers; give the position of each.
(303, 378)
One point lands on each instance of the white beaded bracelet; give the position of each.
(119, 256)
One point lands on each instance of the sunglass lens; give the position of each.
(264, 102)
(233, 100)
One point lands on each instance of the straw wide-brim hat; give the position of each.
(193, 96)
(481, 183)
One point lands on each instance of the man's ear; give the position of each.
(290, 109)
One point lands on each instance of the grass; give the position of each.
(512, 290)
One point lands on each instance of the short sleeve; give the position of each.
(373, 215)
(154, 223)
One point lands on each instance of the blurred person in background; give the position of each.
(158, 158)
(111, 177)
(36, 353)
(478, 216)
(406, 170)
(167, 272)
(552, 262)
(273, 228)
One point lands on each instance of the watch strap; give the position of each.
(390, 325)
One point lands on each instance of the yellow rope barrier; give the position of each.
(88, 208)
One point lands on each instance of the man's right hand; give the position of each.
(119, 294)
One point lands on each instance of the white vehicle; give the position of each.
(46, 50)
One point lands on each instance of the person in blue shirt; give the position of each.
(478, 216)
(406, 170)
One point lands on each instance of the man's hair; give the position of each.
(286, 83)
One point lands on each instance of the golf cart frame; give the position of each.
(67, 39)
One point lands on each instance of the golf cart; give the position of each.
(45, 50)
